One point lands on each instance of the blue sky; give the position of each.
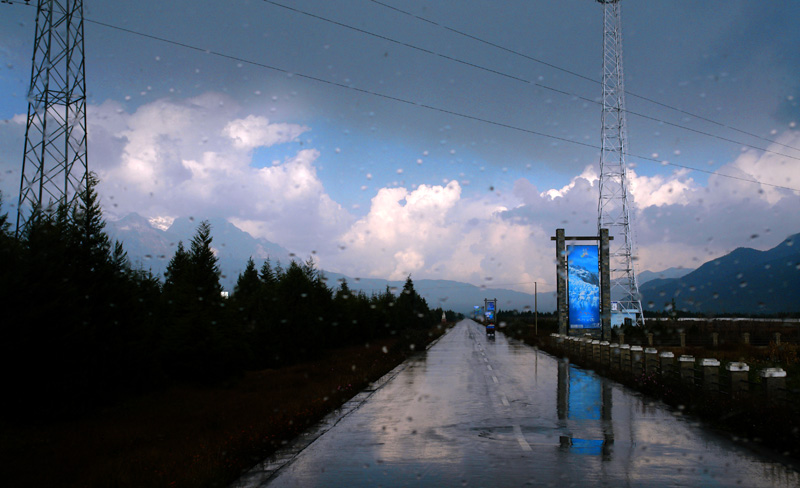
(384, 188)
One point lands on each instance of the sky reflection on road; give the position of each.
(478, 412)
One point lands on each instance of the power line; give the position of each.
(578, 75)
(520, 79)
(523, 80)
(418, 104)
(394, 41)
(517, 78)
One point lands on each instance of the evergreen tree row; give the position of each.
(83, 327)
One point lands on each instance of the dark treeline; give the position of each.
(82, 327)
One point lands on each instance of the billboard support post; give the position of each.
(605, 286)
(561, 280)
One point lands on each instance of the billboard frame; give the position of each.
(605, 280)
(582, 314)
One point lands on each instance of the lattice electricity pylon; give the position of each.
(613, 210)
(54, 164)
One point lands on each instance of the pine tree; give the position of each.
(9, 254)
(119, 259)
(178, 269)
(304, 308)
(248, 284)
(5, 225)
(264, 340)
(202, 341)
(344, 292)
(205, 267)
(411, 308)
(247, 296)
(84, 301)
(87, 227)
(267, 276)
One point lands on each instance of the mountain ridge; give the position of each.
(745, 280)
(152, 248)
(674, 272)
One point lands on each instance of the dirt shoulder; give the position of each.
(196, 436)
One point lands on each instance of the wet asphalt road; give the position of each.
(472, 411)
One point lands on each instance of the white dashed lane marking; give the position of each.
(521, 439)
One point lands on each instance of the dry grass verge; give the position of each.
(191, 436)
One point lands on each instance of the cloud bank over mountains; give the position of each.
(209, 157)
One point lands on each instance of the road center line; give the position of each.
(521, 439)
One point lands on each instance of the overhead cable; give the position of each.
(523, 80)
(416, 104)
(578, 75)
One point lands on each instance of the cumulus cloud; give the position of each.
(12, 135)
(701, 222)
(255, 131)
(404, 231)
(434, 232)
(676, 221)
(778, 168)
(660, 190)
(194, 157)
(175, 158)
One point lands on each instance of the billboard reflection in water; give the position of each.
(584, 287)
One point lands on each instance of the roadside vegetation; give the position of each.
(113, 377)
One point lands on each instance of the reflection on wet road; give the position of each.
(479, 412)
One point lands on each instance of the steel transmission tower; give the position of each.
(613, 210)
(54, 164)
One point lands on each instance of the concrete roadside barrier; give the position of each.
(686, 364)
(738, 373)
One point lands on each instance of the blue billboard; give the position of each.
(583, 286)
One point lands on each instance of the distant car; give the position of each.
(490, 329)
